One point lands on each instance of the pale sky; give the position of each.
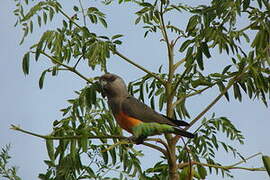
(23, 103)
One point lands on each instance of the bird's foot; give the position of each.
(137, 140)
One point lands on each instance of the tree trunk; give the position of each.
(173, 174)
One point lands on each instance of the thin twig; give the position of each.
(230, 84)
(173, 92)
(69, 18)
(84, 19)
(139, 66)
(119, 54)
(54, 60)
(191, 94)
(157, 148)
(233, 166)
(220, 167)
(158, 140)
(76, 64)
(116, 144)
(189, 158)
(246, 159)
(175, 41)
(176, 65)
(169, 47)
(16, 128)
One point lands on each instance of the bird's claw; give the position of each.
(137, 140)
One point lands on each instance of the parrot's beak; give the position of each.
(103, 84)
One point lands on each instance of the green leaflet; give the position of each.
(266, 162)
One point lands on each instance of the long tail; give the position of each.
(177, 122)
(183, 133)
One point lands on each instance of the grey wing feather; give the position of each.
(134, 108)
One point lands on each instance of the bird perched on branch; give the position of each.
(133, 115)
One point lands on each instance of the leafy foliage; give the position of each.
(79, 147)
(5, 171)
(87, 117)
(207, 143)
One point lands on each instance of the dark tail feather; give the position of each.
(177, 122)
(183, 133)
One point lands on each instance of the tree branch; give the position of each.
(72, 69)
(16, 128)
(139, 66)
(169, 47)
(118, 53)
(233, 166)
(156, 148)
(158, 140)
(69, 18)
(220, 167)
(83, 13)
(191, 94)
(230, 84)
(246, 159)
(177, 64)
(173, 92)
(76, 64)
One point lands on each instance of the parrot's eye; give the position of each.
(108, 77)
(111, 78)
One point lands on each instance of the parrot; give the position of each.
(129, 112)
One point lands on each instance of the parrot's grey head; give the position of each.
(113, 86)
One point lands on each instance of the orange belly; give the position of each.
(127, 122)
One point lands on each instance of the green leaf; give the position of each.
(90, 172)
(246, 4)
(185, 45)
(38, 50)
(200, 82)
(25, 63)
(105, 156)
(161, 102)
(199, 58)
(45, 17)
(84, 144)
(39, 21)
(73, 148)
(152, 102)
(225, 70)
(31, 26)
(205, 50)
(103, 22)
(41, 79)
(221, 87)
(50, 149)
(138, 20)
(266, 162)
(117, 42)
(51, 14)
(117, 36)
(192, 23)
(54, 70)
(75, 8)
(113, 155)
(237, 92)
(202, 171)
(189, 57)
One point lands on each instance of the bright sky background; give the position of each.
(22, 103)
